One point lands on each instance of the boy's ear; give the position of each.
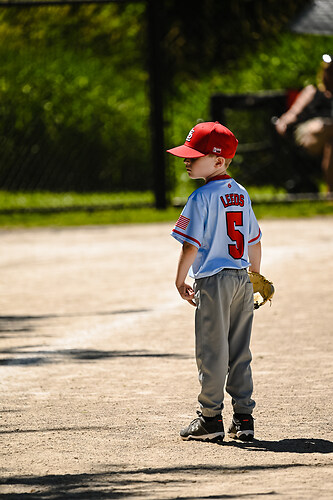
(219, 162)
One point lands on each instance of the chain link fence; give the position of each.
(69, 120)
(262, 155)
(76, 107)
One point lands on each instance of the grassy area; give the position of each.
(36, 199)
(122, 208)
(81, 218)
(47, 200)
(294, 209)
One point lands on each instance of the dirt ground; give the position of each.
(98, 374)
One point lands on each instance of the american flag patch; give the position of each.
(182, 222)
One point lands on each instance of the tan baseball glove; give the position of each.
(263, 289)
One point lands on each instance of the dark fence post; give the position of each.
(156, 82)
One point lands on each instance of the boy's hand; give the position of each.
(187, 256)
(187, 293)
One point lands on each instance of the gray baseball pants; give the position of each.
(223, 324)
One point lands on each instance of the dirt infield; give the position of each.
(98, 372)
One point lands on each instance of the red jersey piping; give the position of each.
(186, 236)
(254, 239)
(219, 178)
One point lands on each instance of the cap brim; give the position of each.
(185, 152)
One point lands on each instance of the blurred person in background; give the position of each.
(309, 120)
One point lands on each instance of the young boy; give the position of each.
(220, 239)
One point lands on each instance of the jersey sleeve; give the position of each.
(254, 229)
(190, 225)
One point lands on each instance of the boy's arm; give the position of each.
(255, 257)
(187, 256)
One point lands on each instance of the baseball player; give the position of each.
(220, 239)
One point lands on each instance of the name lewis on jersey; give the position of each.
(232, 199)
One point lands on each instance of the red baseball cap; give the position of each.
(207, 138)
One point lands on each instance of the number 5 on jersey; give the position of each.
(235, 219)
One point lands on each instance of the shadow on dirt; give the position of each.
(297, 445)
(10, 325)
(56, 429)
(126, 483)
(31, 357)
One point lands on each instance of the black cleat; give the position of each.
(204, 430)
(242, 427)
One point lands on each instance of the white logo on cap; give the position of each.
(216, 150)
(189, 137)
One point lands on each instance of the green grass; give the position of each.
(37, 199)
(81, 218)
(294, 209)
(97, 209)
